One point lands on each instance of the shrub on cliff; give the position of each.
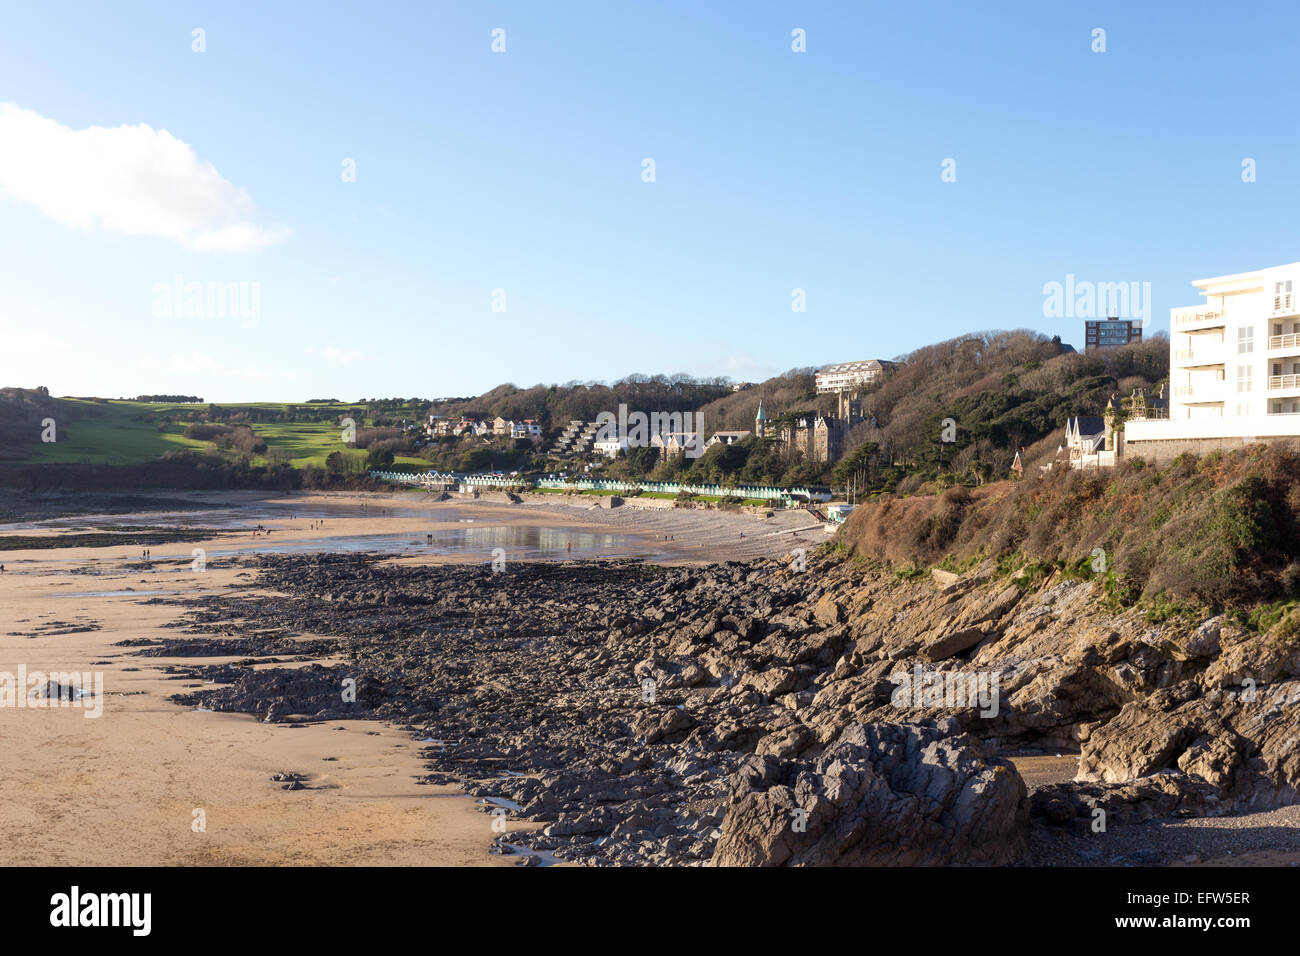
(1218, 530)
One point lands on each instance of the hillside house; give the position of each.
(726, 438)
(1087, 442)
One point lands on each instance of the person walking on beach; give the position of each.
(570, 547)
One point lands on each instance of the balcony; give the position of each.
(1289, 341)
(1283, 381)
(1198, 317)
(1207, 392)
(1206, 356)
(1284, 303)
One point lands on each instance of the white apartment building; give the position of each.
(848, 376)
(1234, 368)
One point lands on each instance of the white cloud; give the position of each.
(131, 179)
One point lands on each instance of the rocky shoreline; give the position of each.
(750, 713)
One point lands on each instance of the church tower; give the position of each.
(848, 409)
(760, 421)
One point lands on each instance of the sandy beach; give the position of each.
(136, 782)
(149, 781)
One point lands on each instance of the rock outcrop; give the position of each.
(883, 795)
(676, 715)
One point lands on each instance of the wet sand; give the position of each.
(123, 788)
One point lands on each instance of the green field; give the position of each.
(117, 432)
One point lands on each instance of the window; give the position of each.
(1282, 301)
(1245, 378)
(1245, 339)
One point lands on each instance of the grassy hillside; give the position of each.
(1222, 530)
(114, 432)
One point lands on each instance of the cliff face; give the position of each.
(1137, 697)
(1168, 718)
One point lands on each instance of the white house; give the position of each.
(726, 438)
(838, 514)
(526, 429)
(1234, 368)
(610, 447)
(1085, 440)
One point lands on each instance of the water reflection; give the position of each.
(236, 515)
(520, 542)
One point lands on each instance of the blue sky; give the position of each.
(522, 171)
